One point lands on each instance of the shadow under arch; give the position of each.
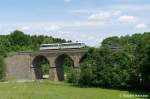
(37, 65)
(83, 58)
(60, 62)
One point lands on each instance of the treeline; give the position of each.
(120, 62)
(19, 41)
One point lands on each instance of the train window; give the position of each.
(44, 46)
(64, 44)
(53, 45)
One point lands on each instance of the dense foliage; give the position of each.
(103, 68)
(120, 62)
(18, 41)
(2, 68)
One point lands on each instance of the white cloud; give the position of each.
(118, 12)
(67, 1)
(140, 25)
(127, 19)
(24, 28)
(53, 28)
(99, 16)
(104, 16)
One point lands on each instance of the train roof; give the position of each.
(61, 43)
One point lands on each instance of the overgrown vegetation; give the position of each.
(120, 62)
(18, 41)
(2, 68)
(2, 64)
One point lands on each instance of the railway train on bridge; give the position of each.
(62, 46)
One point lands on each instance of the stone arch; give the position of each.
(36, 65)
(59, 61)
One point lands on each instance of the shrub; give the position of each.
(2, 68)
(72, 76)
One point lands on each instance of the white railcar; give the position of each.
(62, 46)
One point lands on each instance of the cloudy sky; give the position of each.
(88, 21)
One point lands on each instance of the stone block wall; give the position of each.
(18, 67)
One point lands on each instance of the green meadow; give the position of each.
(58, 90)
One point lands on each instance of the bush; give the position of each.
(72, 76)
(106, 69)
(86, 78)
(2, 68)
(45, 69)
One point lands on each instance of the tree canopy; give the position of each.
(120, 62)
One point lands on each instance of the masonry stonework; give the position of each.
(20, 66)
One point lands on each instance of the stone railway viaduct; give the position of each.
(26, 65)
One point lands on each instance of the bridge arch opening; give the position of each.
(64, 65)
(40, 65)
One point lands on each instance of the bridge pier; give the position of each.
(52, 69)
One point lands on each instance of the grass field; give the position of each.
(57, 90)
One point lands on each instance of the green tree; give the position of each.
(20, 41)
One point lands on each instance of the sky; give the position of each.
(87, 21)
